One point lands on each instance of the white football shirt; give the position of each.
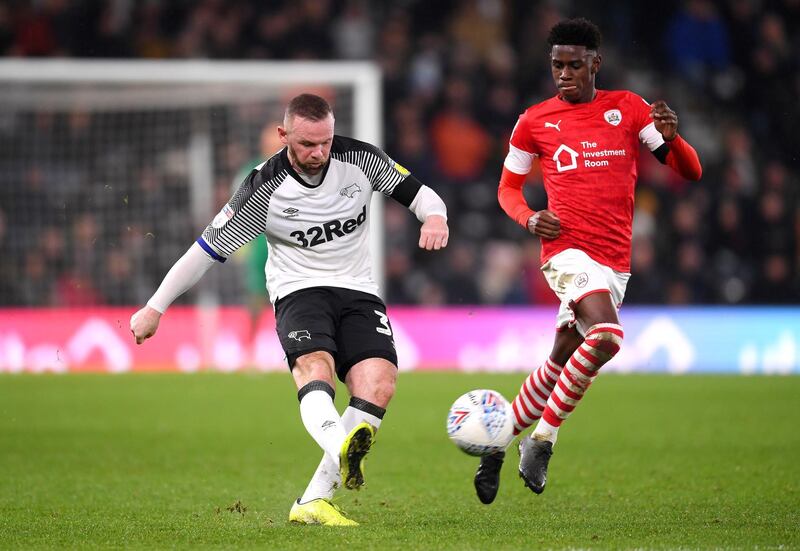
(317, 235)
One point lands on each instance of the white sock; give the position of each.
(322, 420)
(353, 416)
(327, 478)
(324, 482)
(545, 431)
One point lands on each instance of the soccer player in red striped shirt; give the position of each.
(587, 144)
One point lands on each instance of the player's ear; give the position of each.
(282, 134)
(596, 63)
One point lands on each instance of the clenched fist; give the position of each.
(144, 324)
(434, 233)
(665, 119)
(545, 224)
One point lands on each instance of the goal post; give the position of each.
(89, 135)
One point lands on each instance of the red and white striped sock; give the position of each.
(532, 398)
(601, 343)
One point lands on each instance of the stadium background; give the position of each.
(97, 224)
(89, 225)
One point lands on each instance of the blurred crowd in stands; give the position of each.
(456, 75)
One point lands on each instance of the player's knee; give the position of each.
(604, 340)
(379, 388)
(567, 341)
(384, 388)
(314, 366)
(373, 379)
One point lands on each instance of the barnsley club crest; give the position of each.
(613, 117)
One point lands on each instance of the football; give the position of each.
(479, 422)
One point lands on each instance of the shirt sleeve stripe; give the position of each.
(383, 176)
(250, 209)
(211, 252)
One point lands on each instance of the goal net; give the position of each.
(109, 170)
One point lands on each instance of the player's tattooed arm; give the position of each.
(545, 224)
(665, 119)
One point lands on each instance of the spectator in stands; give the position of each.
(37, 285)
(697, 42)
(460, 142)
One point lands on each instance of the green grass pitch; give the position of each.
(210, 460)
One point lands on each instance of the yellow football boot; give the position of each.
(319, 511)
(351, 457)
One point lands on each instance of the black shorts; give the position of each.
(351, 325)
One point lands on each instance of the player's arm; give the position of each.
(675, 152)
(428, 208)
(229, 230)
(397, 182)
(543, 223)
(181, 277)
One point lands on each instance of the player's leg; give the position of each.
(527, 407)
(590, 294)
(313, 375)
(368, 359)
(530, 402)
(603, 338)
(367, 365)
(371, 384)
(307, 324)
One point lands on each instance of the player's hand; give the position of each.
(666, 119)
(434, 233)
(144, 323)
(545, 224)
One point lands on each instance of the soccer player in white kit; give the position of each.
(312, 201)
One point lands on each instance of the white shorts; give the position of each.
(572, 275)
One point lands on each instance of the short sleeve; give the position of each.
(521, 135)
(382, 172)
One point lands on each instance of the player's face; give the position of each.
(309, 142)
(574, 68)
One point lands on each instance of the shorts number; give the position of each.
(383, 319)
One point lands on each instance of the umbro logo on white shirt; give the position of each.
(291, 212)
(552, 125)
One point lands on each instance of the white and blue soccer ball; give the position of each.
(480, 422)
